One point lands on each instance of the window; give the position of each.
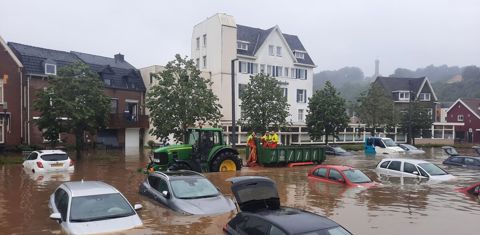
(204, 61)
(299, 74)
(457, 160)
(50, 69)
(198, 43)
(271, 50)
(301, 96)
(424, 96)
(284, 91)
(279, 51)
(32, 156)
(254, 225)
(262, 68)
(269, 69)
(409, 168)
(429, 112)
(204, 40)
(293, 73)
(1, 91)
(113, 105)
(241, 89)
(242, 67)
(61, 202)
(276, 231)
(299, 55)
(300, 115)
(277, 71)
(197, 61)
(384, 164)
(46, 140)
(395, 165)
(247, 67)
(242, 45)
(321, 172)
(334, 175)
(286, 71)
(254, 68)
(472, 162)
(460, 117)
(404, 96)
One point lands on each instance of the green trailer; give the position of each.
(283, 155)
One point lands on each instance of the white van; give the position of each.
(382, 145)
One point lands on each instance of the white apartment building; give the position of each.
(218, 40)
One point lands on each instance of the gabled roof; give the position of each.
(391, 84)
(472, 104)
(120, 74)
(256, 37)
(10, 52)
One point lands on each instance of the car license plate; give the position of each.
(56, 164)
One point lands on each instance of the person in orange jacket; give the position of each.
(252, 157)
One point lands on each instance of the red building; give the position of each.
(11, 133)
(466, 111)
(28, 69)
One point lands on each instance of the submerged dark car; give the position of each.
(337, 151)
(455, 159)
(261, 212)
(187, 192)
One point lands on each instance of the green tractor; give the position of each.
(204, 150)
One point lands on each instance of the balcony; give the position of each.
(120, 120)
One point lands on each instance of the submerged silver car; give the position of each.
(86, 207)
(187, 192)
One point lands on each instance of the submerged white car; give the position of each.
(86, 207)
(48, 161)
(412, 168)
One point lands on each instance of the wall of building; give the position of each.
(471, 122)
(12, 134)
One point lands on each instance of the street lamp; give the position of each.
(234, 131)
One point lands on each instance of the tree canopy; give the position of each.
(327, 114)
(180, 99)
(263, 104)
(73, 102)
(415, 118)
(376, 108)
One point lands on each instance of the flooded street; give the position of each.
(398, 206)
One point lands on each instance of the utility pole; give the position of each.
(409, 139)
(234, 126)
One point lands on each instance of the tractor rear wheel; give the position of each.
(226, 161)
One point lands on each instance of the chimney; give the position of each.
(119, 58)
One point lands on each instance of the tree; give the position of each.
(327, 114)
(376, 108)
(73, 102)
(263, 104)
(180, 99)
(417, 118)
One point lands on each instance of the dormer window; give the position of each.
(51, 69)
(299, 55)
(403, 96)
(242, 45)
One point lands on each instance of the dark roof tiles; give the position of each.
(405, 84)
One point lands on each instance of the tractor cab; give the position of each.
(203, 140)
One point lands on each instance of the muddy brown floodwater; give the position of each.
(398, 206)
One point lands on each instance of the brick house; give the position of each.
(466, 111)
(122, 83)
(11, 133)
(405, 90)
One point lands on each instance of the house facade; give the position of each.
(122, 83)
(11, 132)
(406, 90)
(218, 40)
(467, 112)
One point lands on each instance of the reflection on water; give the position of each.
(397, 206)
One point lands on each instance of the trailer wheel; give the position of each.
(226, 161)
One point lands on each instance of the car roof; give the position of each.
(177, 174)
(54, 151)
(474, 157)
(298, 221)
(86, 188)
(414, 161)
(336, 167)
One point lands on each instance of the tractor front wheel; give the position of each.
(226, 161)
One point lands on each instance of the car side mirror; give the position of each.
(341, 180)
(56, 216)
(415, 173)
(477, 190)
(166, 194)
(137, 206)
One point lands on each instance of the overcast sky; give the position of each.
(336, 33)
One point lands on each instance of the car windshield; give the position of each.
(54, 157)
(432, 169)
(389, 142)
(329, 231)
(193, 188)
(356, 176)
(339, 150)
(99, 207)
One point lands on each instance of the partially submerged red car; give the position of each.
(472, 190)
(342, 175)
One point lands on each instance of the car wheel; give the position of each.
(226, 161)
